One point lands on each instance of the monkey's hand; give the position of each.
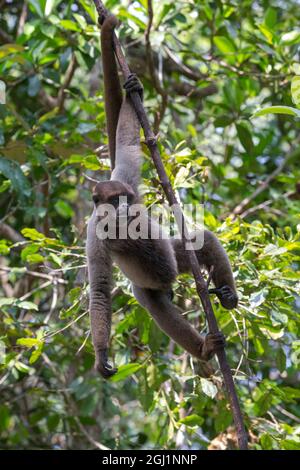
(133, 84)
(212, 343)
(226, 295)
(102, 365)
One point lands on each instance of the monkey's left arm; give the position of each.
(170, 319)
(211, 255)
(99, 271)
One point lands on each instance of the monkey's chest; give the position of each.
(147, 265)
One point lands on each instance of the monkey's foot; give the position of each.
(212, 344)
(226, 295)
(133, 84)
(102, 365)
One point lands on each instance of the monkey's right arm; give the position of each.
(99, 271)
(112, 88)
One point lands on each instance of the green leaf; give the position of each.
(5, 301)
(125, 371)
(208, 387)
(29, 250)
(245, 137)
(34, 85)
(277, 110)
(75, 294)
(181, 177)
(29, 342)
(289, 444)
(51, 114)
(26, 305)
(36, 353)
(290, 38)
(64, 209)
(266, 441)
(37, 6)
(50, 5)
(90, 162)
(257, 298)
(53, 422)
(225, 45)
(9, 49)
(80, 20)
(4, 418)
(5, 186)
(146, 393)
(192, 420)
(90, 9)
(267, 33)
(281, 360)
(270, 17)
(86, 127)
(295, 90)
(33, 259)
(22, 367)
(4, 247)
(70, 25)
(33, 234)
(12, 171)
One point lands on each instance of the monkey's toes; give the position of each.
(216, 340)
(133, 84)
(213, 343)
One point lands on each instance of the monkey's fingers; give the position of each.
(226, 295)
(106, 370)
(103, 367)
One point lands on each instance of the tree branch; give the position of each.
(265, 184)
(201, 286)
(9, 233)
(51, 102)
(150, 60)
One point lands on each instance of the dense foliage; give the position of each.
(207, 68)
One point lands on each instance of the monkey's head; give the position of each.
(119, 196)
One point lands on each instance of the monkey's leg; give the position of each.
(212, 254)
(112, 87)
(170, 320)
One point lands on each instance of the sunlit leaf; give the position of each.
(125, 371)
(295, 89)
(277, 110)
(208, 387)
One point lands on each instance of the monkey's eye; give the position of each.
(96, 198)
(114, 200)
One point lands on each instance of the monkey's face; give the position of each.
(112, 200)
